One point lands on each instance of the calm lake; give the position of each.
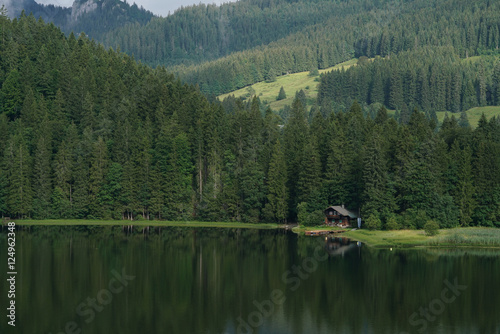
(185, 280)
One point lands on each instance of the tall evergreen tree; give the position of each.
(277, 195)
(294, 138)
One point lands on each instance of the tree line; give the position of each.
(429, 78)
(372, 28)
(227, 47)
(90, 133)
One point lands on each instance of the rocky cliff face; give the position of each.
(81, 7)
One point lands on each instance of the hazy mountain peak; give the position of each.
(82, 7)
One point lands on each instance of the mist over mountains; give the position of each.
(49, 13)
(94, 17)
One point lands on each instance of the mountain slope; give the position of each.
(469, 28)
(93, 17)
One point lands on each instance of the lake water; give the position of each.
(182, 280)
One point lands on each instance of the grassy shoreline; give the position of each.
(76, 222)
(455, 237)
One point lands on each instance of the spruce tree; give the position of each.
(277, 194)
(20, 195)
(42, 185)
(294, 138)
(377, 193)
(465, 189)
(281, 95)
(310, 174)
(464, 120)
(98, 169)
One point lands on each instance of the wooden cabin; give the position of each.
(339, 216)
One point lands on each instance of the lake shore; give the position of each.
(76, 222)
(455, 237)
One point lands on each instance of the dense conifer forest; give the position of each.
(94, 17)
(361, 29)
(88, 132)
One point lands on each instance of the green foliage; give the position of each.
(431, 228)
(277, 206)
(281, 95)
(302, 214)
(90, 133)
(373, 222)
(107, 16)
(314, 73)
(306, 218)
(403, 82)
(315, 218)
(392, 223)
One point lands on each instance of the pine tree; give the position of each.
(42, 172)
(110, 196)
(396, 91)
(465, 189)
(469, 98)
(179, 179)
(487, 182)
(338, 167)
(277, 195)
(294, 138)
(310, 173)
(281, 95)
(377, 90)
(11, 95)
(425, 98)
(20, 195)
(496, 83)
(377, 193)
(64, 174)
(381, 116)
(98, 169)
(464, 120)
(251, 192)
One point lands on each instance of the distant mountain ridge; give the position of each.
(93, 17)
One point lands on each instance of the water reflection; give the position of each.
(209, 280)
(340, 246)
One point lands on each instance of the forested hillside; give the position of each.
(374, 28)
(93, 17)
(89, 133)
(223, 48)
(206, 32)
(430, 79)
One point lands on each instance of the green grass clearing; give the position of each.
(268, 91)
(402, 238)
(456, 237)
(473, 114)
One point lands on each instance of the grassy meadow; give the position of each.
(473, 114)
(268, 91)
(456, 237)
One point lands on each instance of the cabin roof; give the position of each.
(342, 211)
